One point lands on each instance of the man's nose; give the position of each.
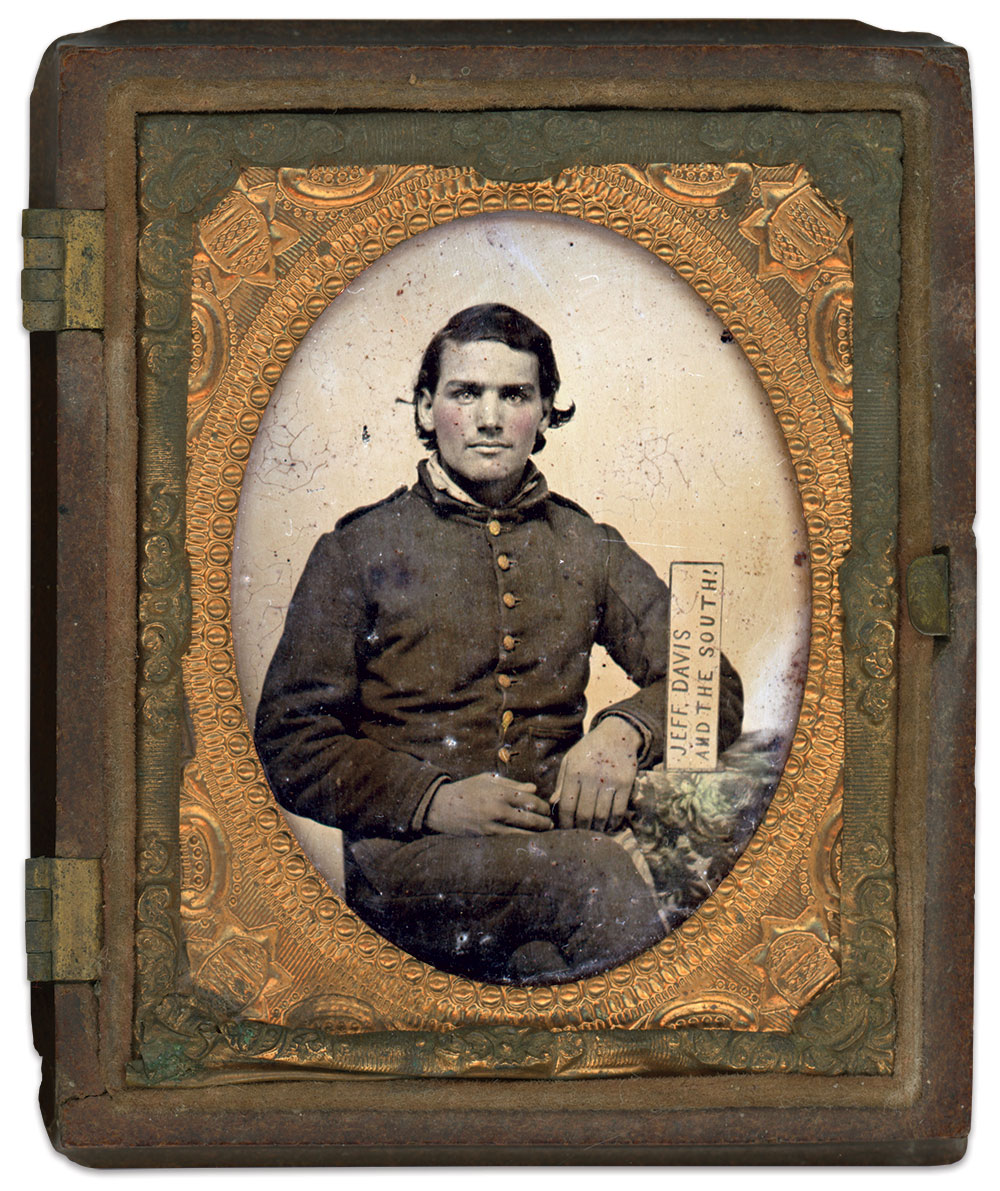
(489, 410)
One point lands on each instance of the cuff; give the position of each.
(646, 747)
(417, 821)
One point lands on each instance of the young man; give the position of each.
(427, 695)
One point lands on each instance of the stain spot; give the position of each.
(365, 436)
(726, 336)
(800, 558)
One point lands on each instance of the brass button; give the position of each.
(504, 680)
(503, 562)
(509, 642)
(504, 755)
(494, 528)
(507, 719)
(509, 599)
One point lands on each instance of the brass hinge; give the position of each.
(62, 911)
(62, 284)
(928, 596)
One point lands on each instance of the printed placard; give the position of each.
(695, 650)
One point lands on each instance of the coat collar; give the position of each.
(435, 485)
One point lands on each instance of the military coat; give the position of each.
(431, 639)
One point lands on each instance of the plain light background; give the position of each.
(27, 31)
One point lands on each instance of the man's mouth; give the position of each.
(489, 446)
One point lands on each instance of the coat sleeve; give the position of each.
(308, 735)
(634, 629)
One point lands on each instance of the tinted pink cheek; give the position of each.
(524, 420)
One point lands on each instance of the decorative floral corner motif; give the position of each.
(240, 239)
(799, 233)
(796, 959)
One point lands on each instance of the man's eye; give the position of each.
(517, 396)
(464, 396)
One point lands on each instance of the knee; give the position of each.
(590, 851)
(579, 861)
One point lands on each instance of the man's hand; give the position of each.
(596, 776)
(486, 804)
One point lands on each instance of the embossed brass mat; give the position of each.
(262, 932)
(260, 967)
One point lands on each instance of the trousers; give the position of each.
(527, 908)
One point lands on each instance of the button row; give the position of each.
(504, 681)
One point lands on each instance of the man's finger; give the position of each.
(586, 803)
(510, 784)
(568, 801)
(516, 817)
(619, 806)
(523, 800)
(602, 807)
(557, 793)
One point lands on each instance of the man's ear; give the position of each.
(424, 415)
(546, 417)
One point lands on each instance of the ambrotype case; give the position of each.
(443, 787)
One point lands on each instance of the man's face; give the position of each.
(486, 412)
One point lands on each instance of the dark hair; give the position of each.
(501, 324)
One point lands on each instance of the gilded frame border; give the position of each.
(848, 1029)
